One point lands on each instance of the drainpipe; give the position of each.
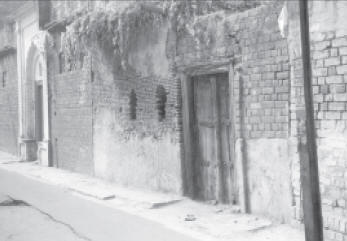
(307, 142)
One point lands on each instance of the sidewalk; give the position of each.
(50, 189)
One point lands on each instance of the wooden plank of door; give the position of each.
(199, 182)
(225, 137)
(204, 140)
(219, 187)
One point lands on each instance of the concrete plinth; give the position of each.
(27, 150)
(43, 153)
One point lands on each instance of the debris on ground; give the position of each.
(190, 217)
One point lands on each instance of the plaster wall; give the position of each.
(27, 28)
(270, 188)
(146, 152)
(71, 120)
(8, 104)
(129, 158)
(142, 152)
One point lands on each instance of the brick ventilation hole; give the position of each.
(132, 104)
(161, 97)
(4, 76)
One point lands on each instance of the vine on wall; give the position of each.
(114, 29)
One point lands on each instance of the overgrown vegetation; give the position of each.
(114, 29)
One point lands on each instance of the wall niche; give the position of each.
(132, 105)
(161, 99)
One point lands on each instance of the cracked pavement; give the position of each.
(20, 221)
(39, 211)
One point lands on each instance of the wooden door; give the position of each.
(213, 169)
(228, 180)
(39, 119)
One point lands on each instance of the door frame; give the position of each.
(186, 74)
(31, 149)
(39, 110)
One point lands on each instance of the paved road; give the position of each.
(55, 214)
(20, 221)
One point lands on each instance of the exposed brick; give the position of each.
(341, 69)
(332, 61)
(320, 72)
(339, 42)
(338, 88)
(268, 76)
(337, 106)
(343, 50)
(332, 115)
(329, 97)
(282, 89)
(321, 80)
(334, 52)
(268, 90)
(281, 118)
(344, 60)
(320, 54)
(323, 106)
(336, 79)
(282, 75)
(324, 89)
(340, 97)
(255, 77)
(318, 98)
(315, 90)
(322, 45)
(332, 70)
(319, 63)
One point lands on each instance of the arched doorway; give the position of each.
(34, 143)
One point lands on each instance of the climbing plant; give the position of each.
(114, 29)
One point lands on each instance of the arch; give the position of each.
(34, 92)
(35, 100)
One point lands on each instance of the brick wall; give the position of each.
(264, 84)
(251, 41)
(142, 151)
(261, 94)
(329, 93)
(329, 82)
(330, 98)
(268, 101)
(72, 130)
(8, 103)
(328, 50)
(146, 152)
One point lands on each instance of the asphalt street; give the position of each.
(49, 212)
